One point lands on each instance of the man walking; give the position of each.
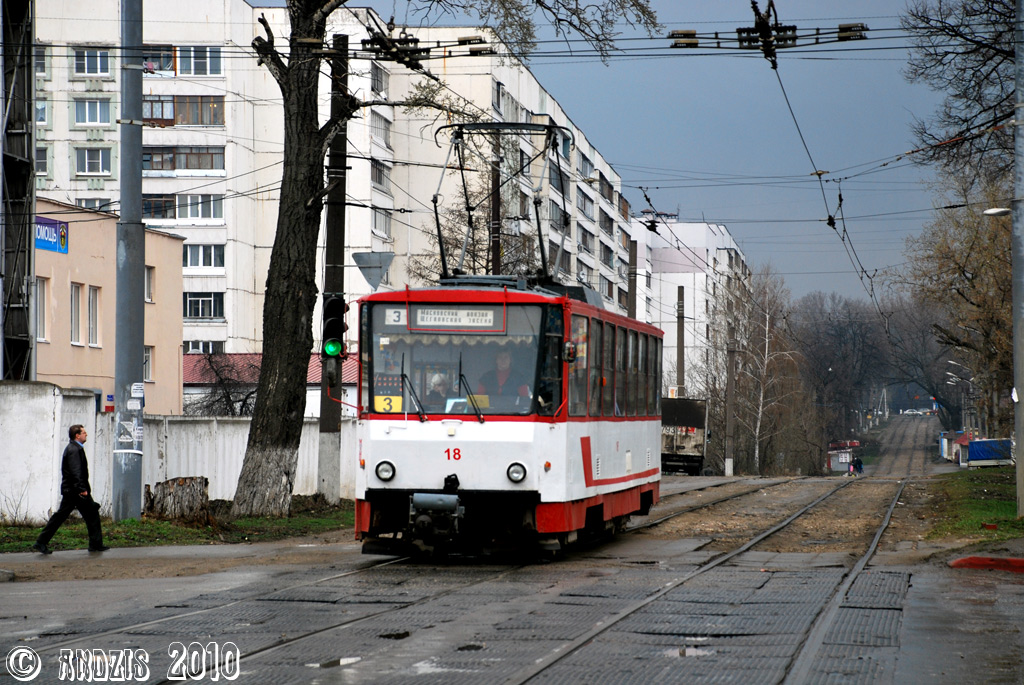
(76, 493)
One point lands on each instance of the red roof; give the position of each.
(205, 369)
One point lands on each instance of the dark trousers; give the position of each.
(90, 512)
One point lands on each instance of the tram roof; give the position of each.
(509, 289)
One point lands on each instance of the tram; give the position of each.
(497, 413)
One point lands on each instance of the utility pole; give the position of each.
(680, 340)
(730, 406)
(631, 304)
(129, 384)
(1017, 247)
(495, 232)
(329, 458)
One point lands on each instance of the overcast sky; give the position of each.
(710, 135)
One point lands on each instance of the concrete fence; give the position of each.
(34, 421)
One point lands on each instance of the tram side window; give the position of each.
(641, 375)
(578, 380)
(634, 375)
(596, 348)
(657, 375)
(608, 372)
(653, 376)
(621, 352)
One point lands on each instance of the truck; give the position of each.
(989, 453)
(683, 435)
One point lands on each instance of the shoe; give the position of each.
(42, 549)
(101, 548)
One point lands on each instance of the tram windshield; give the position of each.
(447, 358)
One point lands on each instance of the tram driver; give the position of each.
(504, 385)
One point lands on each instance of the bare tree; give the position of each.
(959, 270)
(230, 387)
(268, 471)
(964, 49)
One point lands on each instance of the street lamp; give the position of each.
(998, 211)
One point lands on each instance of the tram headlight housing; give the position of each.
(385, 471)
(516, 472)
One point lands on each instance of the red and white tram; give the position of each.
(493, 413)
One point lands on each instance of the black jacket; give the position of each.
(74, 471)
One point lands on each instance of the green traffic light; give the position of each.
(333, 348)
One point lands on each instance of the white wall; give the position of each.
(34, 418)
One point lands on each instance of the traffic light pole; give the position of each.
(329, 471)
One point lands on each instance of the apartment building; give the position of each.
(213, 153)
(698, 273)
(75, 306)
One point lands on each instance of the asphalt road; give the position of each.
(351, 620)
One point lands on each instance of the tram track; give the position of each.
(811, 644)
(337, 615)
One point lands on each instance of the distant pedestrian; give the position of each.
(76, 493)
(858, 466)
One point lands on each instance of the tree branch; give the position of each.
(268, 55)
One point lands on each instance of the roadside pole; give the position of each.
(129, 383)
(329, 456)
(1017, 246)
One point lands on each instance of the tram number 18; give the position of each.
(453, 454)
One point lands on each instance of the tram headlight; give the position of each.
(385, 470)
(516, 472)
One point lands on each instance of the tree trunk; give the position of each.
(181, 499)
(265, 483)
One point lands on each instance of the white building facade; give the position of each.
(697, 273)
(213, 151)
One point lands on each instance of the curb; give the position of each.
(990, 564)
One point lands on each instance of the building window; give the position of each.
(380, 127)
(76, 314)
(147, 363)
(192, 158)
(40, 161)
(559, 180)
(41, 112)
(380, 175)
(382, 222)
(200, 206)
(93, 161)
(606, 223)
(157, 206)
(199, 61)
(92, 62)
(39, 60)
(204, 347)
(157, 158)
(558, 222)
(199, 110)
(379, 79)
(94, 112)
(585, 204)
(150, 272)
(497, 88)
(605, 287)
(94, 316)
(583, 272)
(607, 192)
(202, 255)
(199, 157)
(524, 164)
(98, 203)
(586, 240)
(607, 256)
(158, 109)
(585, 166)
(40, 309)
(203, 305)
(158, 58)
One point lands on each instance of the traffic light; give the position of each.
(333, 337)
